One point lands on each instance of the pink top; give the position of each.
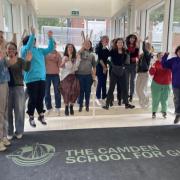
(53, 62)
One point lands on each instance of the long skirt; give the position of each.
(70, 89)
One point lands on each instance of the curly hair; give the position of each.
(128, 40)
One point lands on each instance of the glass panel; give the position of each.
(69, 30)
(155, 31)
(126, 26)
(122, 27)
(7, 13)
(176, 26)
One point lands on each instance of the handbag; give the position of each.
(118, 70)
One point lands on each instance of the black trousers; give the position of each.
(36, 93)
(121, 81)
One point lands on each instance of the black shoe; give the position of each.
(71, 110)
(31, 121)
(153, 115)
(111, 104)
(42, 120)
(129, 106)
(87, 108)
(177, 119)
(66, 112)
(119, 103)
(80, 108)
(164, 114)
(130, 98)
(106, 107)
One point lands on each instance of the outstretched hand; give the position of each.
(33, 30)
(29, 56)
(50, 34)
(146, 38)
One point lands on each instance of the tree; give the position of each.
(157, 15)
(61, 22)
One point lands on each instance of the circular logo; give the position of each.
(32, 155)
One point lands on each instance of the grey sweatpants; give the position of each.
(4, 91)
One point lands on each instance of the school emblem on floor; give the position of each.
(32, 155)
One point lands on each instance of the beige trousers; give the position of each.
(4, 92)
(141, 89)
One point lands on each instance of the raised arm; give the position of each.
(167, 63)
(30, 42)
(50, 47)
(14, 38)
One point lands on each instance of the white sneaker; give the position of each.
(49, 112)
(98, 102)
(58, 111)
(9, 137)
(6, 142)
(2, 146)
(19, 136)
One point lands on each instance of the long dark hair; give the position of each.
(128, 40)
(91, 48)
(177, 49)
(115, 45)
(99, 45)
(66, 51)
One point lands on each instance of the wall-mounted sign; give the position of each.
(75, 13)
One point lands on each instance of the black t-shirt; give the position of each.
(103, 54)
(116, 58)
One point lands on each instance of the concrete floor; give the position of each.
(116, 116)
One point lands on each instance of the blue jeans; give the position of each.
(54, 78)
(17, 104)
(176, 92)
(131, 75)
(101, 85)
(85, 89)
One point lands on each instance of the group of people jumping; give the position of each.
(72, 75)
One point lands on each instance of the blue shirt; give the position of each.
(174, 65)
(37, 71)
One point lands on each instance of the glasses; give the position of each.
(11, 49)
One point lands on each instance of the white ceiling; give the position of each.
(86, 8)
